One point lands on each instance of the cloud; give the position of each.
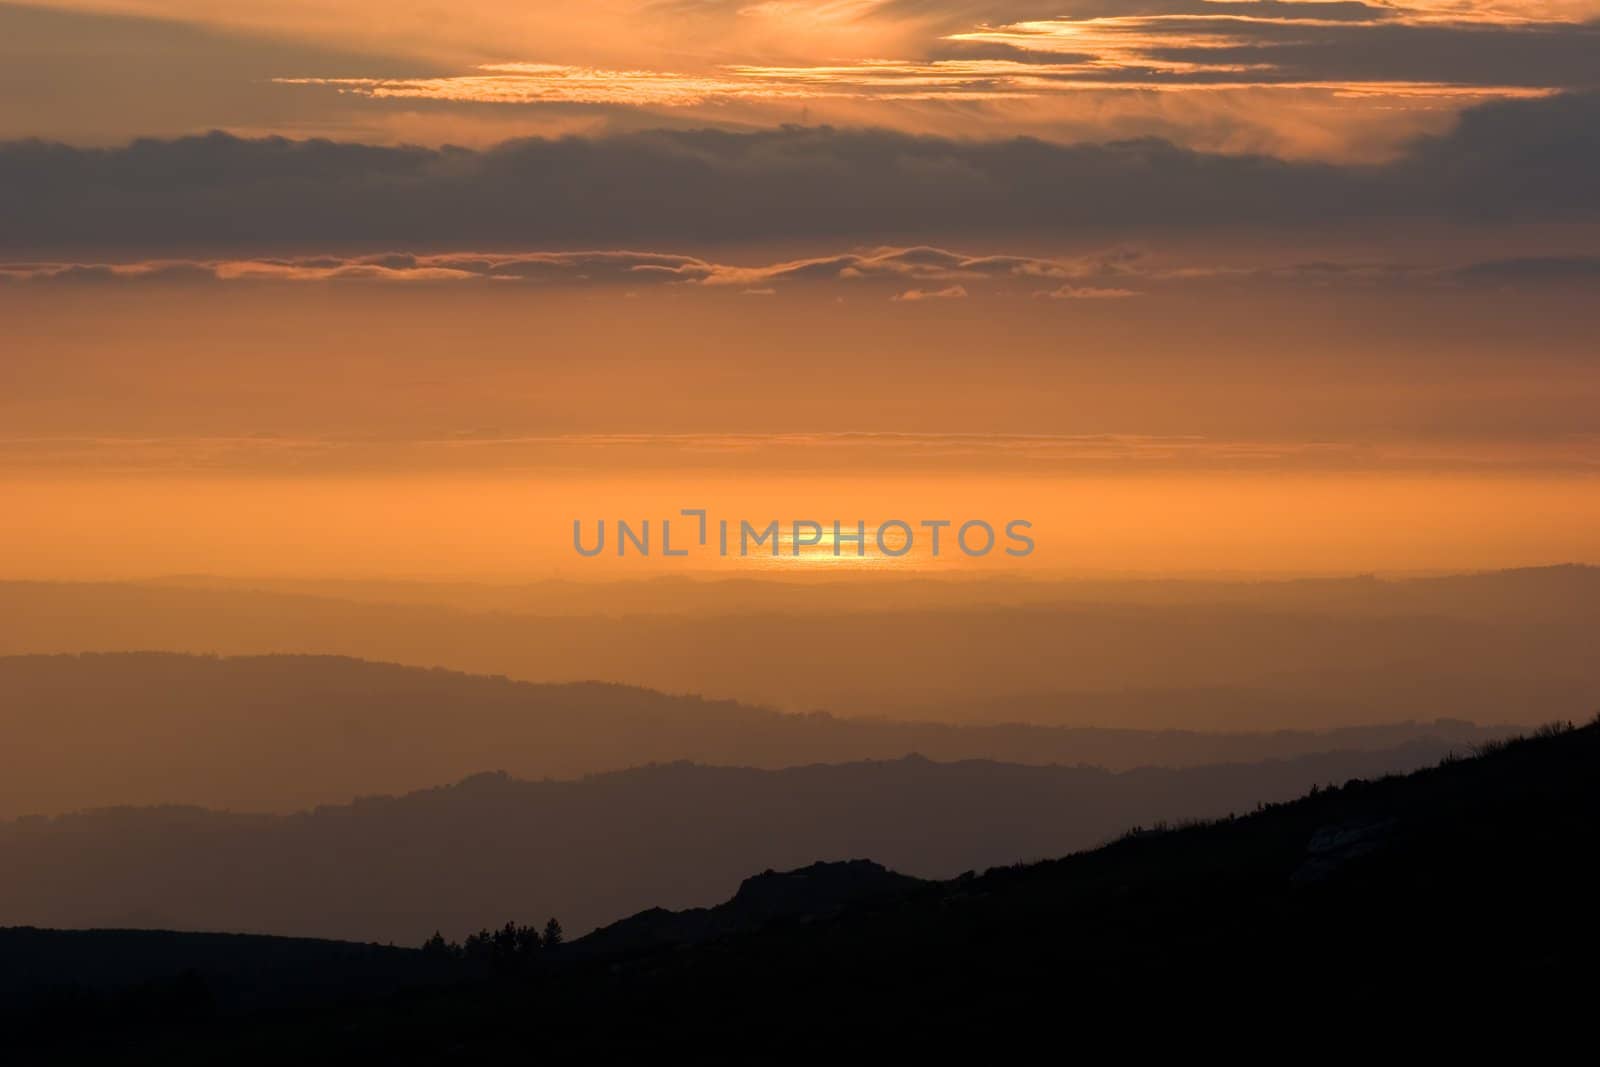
(1086, 292)
(1544, 270)
(1401, 47)
(1392, 48)
(933, 273)
(1519, 160)
(1339, 80)
(1383, 48)
(952, 292)
(892, 265)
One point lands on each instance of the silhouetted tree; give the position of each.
(506, 949)
(479, 947)
(505, 944)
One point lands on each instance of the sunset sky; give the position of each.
(402, 289)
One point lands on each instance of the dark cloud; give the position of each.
(1544, 56)
(947, 50)
(1584, 270)
(1072, 44)
(970, 12)
(1510, 160)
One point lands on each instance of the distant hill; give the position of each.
(1540, 594)
(1509, 646)
(287, 732)
(1448, 906)
(494, 848)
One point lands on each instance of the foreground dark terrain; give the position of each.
(1440, 900)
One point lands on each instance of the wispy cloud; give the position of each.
(1087, 292)
(949, 292)
(894, 265)
(1340, 79)
(932, 273)
(1467, 49)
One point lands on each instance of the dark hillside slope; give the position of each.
(1463, 889)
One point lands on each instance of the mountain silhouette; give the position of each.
(280, 733)
(1360, 911)
(1509, 646)
(592, 850)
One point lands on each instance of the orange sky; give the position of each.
(508, 528)
(1190, 284)
(377, 430)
